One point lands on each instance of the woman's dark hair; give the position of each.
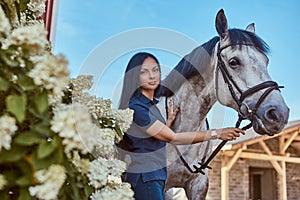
(131, 85)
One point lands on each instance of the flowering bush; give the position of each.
(56, 140)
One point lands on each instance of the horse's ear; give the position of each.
(251, 28)
(221, 25)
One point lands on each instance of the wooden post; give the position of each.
(282, 179)
(224, 183)
(282, 182)
(226, 167)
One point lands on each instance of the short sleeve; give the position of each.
(143, 116)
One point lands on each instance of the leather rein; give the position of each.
(250, 112)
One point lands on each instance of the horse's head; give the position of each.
(242, 65)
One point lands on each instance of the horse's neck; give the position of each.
(195, 98)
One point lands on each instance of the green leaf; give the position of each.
(14, 154)
(24, 194)
(6, 59)
(41, 102)
(25, 172)
(23, 5)
(24, 181)
(119, 132)
(46, 148)
(26, 82)
(28, 138)
(4, 85)
(24, 166)
(16, 105)
(42, 129)
(3, 194)
(55, 158)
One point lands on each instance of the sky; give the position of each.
(99, 37)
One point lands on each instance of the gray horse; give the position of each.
(199, 81)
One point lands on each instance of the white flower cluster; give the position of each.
(51, 72)
(50, 181)
(104, 175)
(116, 167)
(123, 118)
(81, 84)
(104, 146)
(82, 165)
(33, 38)
(3, 181)
(99, 107)
(80, 95)
(4, 25)
(8, 128)
(37, 7)
(73, 123)
(121, 191)
(103, 107)
(102, 169)
(98, 173)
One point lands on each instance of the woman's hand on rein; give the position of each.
(171, 113)
(229, 133)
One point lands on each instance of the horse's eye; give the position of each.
(234, 62)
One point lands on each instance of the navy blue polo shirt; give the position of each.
(148, 154)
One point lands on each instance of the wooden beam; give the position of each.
(260, 156)
(249, 142)
(234, 159)
(273, 152)
(281, 144)
(289, 141)
(273, 162)
(284, 133)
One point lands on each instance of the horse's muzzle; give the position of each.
(270, 120)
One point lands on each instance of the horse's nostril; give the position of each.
(272, 115)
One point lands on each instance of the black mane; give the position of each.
(199, 59)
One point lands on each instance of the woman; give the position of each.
(146, 139)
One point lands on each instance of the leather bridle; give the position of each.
(250, 112)
(268, 85)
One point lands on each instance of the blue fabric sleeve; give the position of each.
(141, 116)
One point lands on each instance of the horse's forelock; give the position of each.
(238, 36)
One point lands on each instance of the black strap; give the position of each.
(258, 88)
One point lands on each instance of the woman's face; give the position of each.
(149, 74)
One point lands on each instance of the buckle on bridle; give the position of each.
(245, 111)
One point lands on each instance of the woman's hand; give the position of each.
(229, 133)
(171, 113)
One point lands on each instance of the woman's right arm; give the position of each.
(162, 132)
